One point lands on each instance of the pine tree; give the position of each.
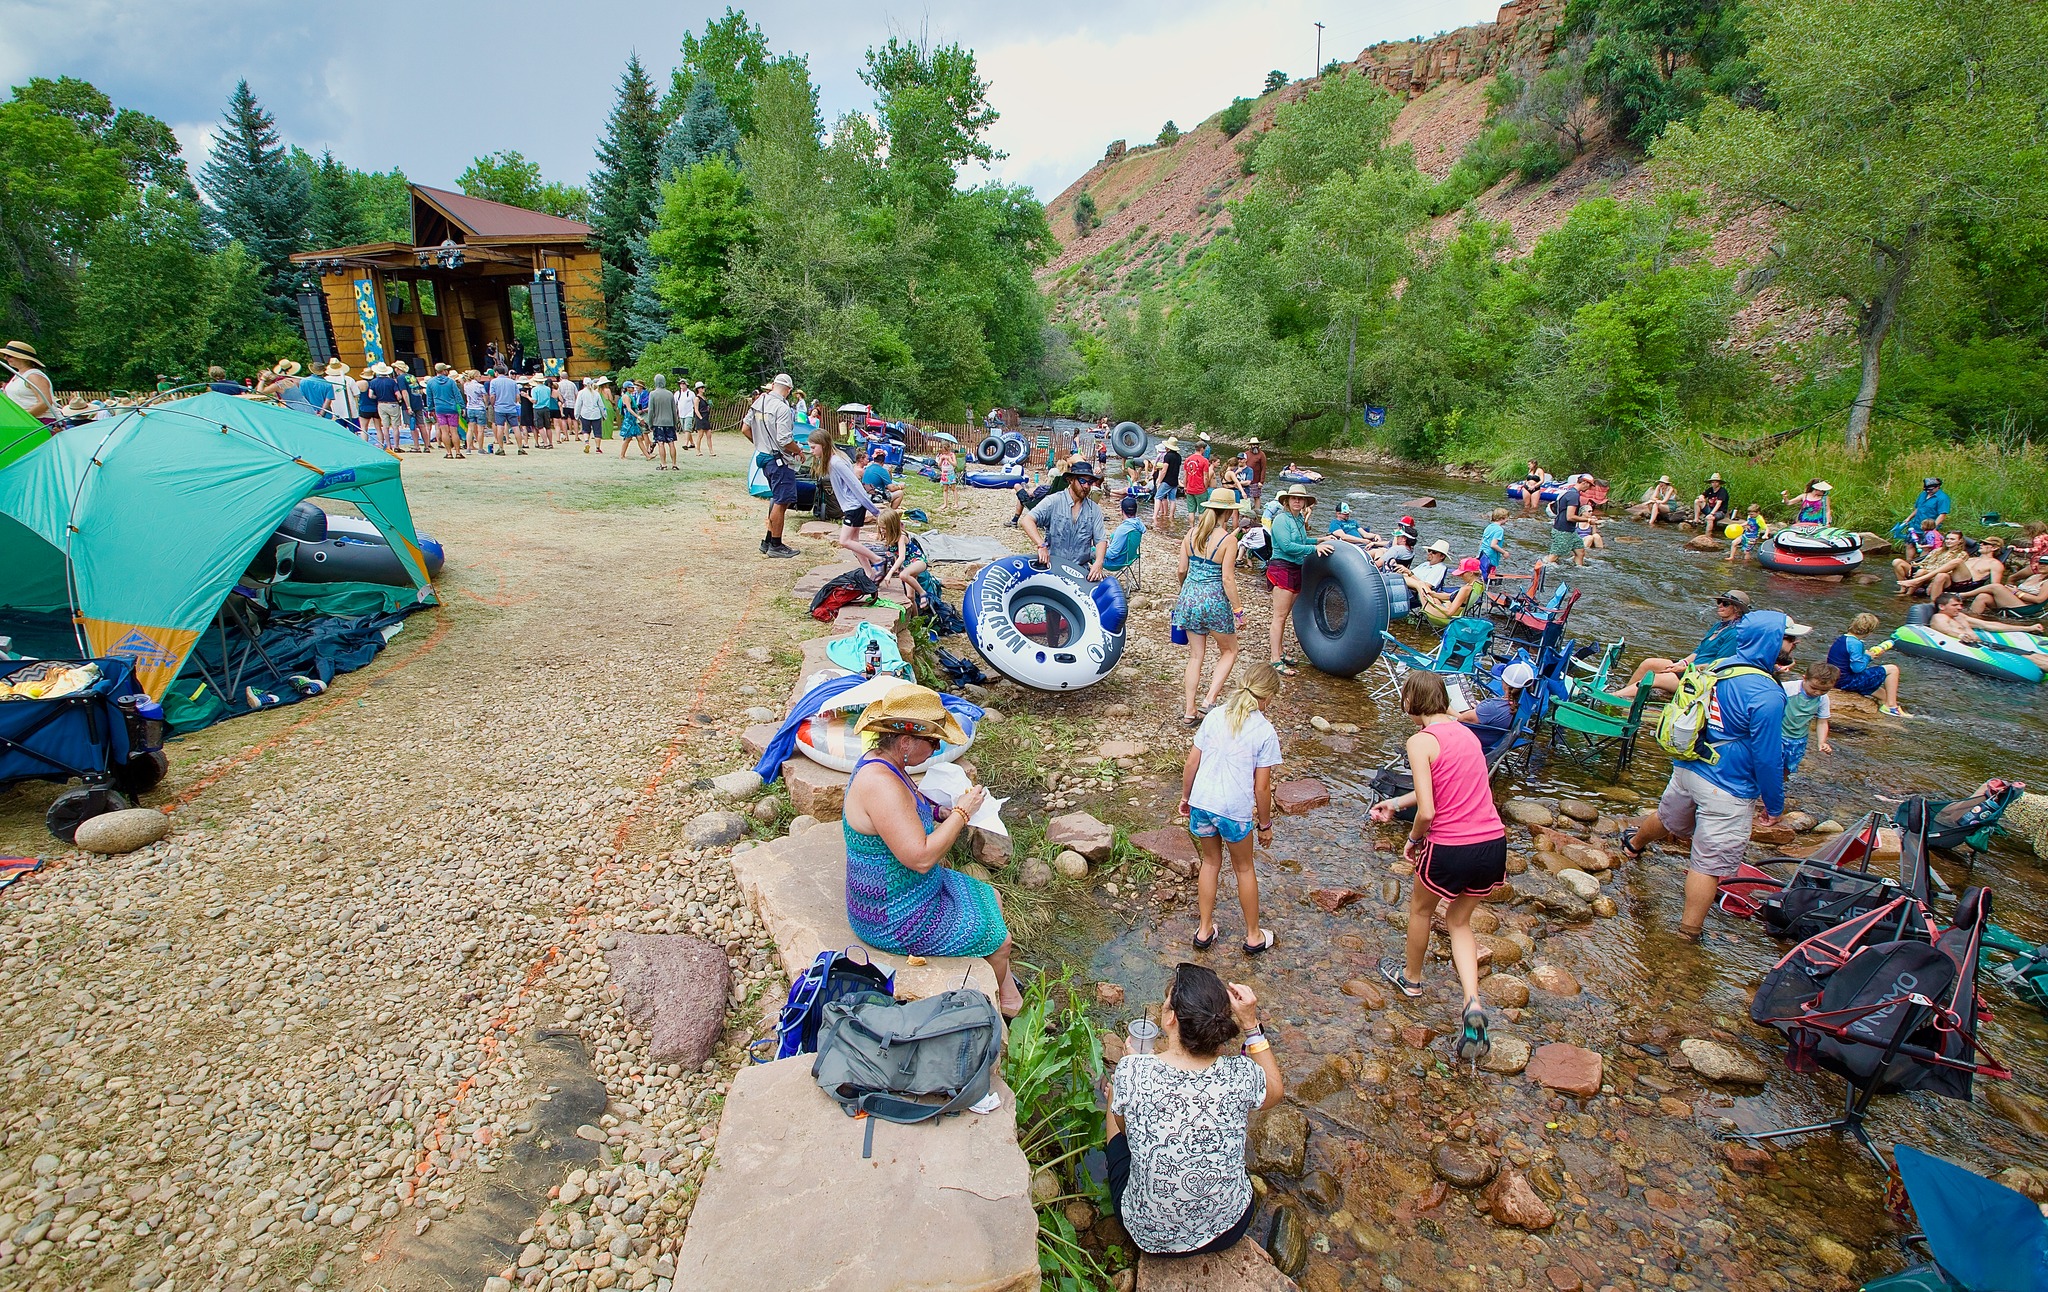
(336, 218)
(258, 198)
(622, 200)
(702, 129)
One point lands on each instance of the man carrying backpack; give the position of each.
(1734, 711)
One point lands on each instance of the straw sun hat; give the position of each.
(913, 710)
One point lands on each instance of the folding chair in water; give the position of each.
(1593, 732)
(1395, 779)
(1397, 660)
(1506, 594)
(1836, 884)
(1886, 1004)
(1743, 894)
(1957, 1209)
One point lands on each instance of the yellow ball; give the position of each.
(1733, 531)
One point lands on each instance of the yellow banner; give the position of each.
(157, 653)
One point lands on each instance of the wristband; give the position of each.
(1264, 825)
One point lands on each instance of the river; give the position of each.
(1645, 1192)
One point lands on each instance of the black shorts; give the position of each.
(855, 518)
(664, 435)
(1464, 869)
(1117, 1161)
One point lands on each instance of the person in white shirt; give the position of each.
(1227, 796)
(565, 405)
(29, 385)
(772, 423)
(348, 394)
(590, 413)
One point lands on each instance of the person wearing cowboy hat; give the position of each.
(1066, 527)
(1291, 546)
(772, 424)
(347, 396)
(1255, 462)
(30, 385)
(901, 896)
(1165, 481)
(1207, 606)
(280, 381)
(1662, 500)
(388, 397)
(1711, 508)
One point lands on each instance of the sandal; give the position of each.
(1473, 1043)
(1284, 669)
(1190, 720)
(1396, 973)
(1202, 943)
(1628, 845)
(1261, 947)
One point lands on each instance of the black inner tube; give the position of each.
(1341, 611)
(1127, 440)
(990, 450)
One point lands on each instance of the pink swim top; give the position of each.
(1458, 782)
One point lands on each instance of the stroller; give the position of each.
(106, 734)
(1886, 1003)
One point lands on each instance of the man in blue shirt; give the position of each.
(881, 486)
(317, 391)
(444, 405)
(504, 395)
(1932, 504)
(1715, 802)
(1718, 644)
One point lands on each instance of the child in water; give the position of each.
(1754, 530)
(1806, 711)
(1227, 796)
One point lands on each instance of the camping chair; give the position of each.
(1593, 731)
(1506, 595)
(1596, 683)
(1464, 645)
(1399, 659)
(1956, 1209)
(240, 627)
(1842, 999)
(1536, 627)
(1836, 884)
(2019, 966)
(1961, 826)
(1743, 894)
(1121, 558)
(1395, 779)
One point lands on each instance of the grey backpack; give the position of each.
(908, 1062)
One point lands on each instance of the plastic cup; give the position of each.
(1141, 1036)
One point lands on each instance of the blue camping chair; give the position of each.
(1957, 1210)
(1460, 654)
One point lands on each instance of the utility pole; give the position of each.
(1319, 50)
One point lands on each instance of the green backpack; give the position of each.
(1682, 728)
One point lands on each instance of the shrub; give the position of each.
(1236, 117)
(1169, 134)
(1052, 1065)
(1084, 213)
(1275, 80)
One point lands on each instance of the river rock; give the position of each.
(1527, 812)
(1333, 900)
(1873, 544)
(1462, 1166)
(1703, 543)
(1799, 822)
(1719, 1062)
(1828, 827)
(1579, 810)
(1034, 873)
(766, 810)
(1071, 864)
(1770, 835)
(1605, 908)
(674, 988)
(1289, 1243)
(1123, 749)
(1504, 991)
(989, 848)
(714, 829)
(1296, 797)
(1277, 1143)
(1172, 847)
(1242, 1267)
(113, 833)
(1497, 950)
(801, 823)
(1552, 898)
(1108, 995)
(1512, 1200)
(1319, 722)
(1579, 882)
(1509, 1055)
(1832, 1254)
(1366, 992)
(742, 784)
(1082, 833)
(1556, 981)
(1566, 1069)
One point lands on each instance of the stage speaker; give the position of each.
(550, 316)
(314, 325)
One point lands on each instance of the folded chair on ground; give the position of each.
(1886, 1004)
(1961, 826)
(1956, 1209)
(1834, 884)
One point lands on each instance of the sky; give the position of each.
(426, 87)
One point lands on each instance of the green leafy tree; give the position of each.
(508, 177)
(1338, 126)
(1169, 134)
(1655, 62)
(732, 54)
(934, 111)
(704, 218)
(258, 198)
(1890, 126)
(1334, 67)
(622, 200)
(1085, 217)
(1236, 117)
(149, 150)
(56, 185)
(1275, 79)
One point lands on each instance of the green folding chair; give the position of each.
(1594, 732)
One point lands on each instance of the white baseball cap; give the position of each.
(1518, 674)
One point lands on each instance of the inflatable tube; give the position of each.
(828, 739)
(1009, 479)
(1548, 493)
(1810, 549)
(1015, 449)
(1398, 604)
(1049, 631)
(990, 450)
(1127, 440)
(1923, 642)
(305, 522)
(354, 552)
(1302, 477)
(1341, 611)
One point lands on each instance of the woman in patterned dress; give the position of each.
(1208, 599)
(900, 894)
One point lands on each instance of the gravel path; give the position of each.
(255, 1054)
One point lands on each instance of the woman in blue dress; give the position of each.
(1207, 606)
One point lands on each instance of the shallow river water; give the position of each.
(1645, 1191)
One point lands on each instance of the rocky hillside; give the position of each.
(1159, 205)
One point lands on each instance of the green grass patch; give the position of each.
(622, 495)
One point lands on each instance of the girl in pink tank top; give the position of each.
(1457, 844)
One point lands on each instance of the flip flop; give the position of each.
(1284, 669)
(1190, 720)
(1262, 947)
(1203, 944)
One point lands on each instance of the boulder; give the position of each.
(1527, 812)
(989, 848)
(850, 618)
(1293, 798)
(1277, 1143)
(1771, 835)
(1413, 503)
(1513, 1201)
(742, 784)
(814, 789)
(113, 833)
(1504, 991)
(1289, 1244)
(756, 739)
(1579, 882)
(1579, 810)
(1566, 1069)
(1703, 543)
(1720, 1062)
(1545, 894)
(1462, 1166)
(1082, 833)
(715, 830)
(674, 989)
(1873, 544)
(799, 823)
(1244, 1267)
(1799, 822)
(1071, 864)
(766, 810)
(1509, 1055)
(1554, 980)
(1108, 995)
(1034, 873)
(789, 1163)
(797, 886)
(1172, 847)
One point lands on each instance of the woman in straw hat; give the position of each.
(900, 894)
(30, 385)
(1207, 606)
(281, 382)
(1291, 546)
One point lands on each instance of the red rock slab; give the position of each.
(1566, 1069)
(1296, 797)
(1333, 900)
(1171, 845)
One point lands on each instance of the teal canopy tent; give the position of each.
(140, 525)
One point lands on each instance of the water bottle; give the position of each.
(874, 657)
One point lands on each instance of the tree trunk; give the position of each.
(1875, 326)
(1350, 367)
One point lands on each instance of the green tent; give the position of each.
(139, 526)
(20, 432)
